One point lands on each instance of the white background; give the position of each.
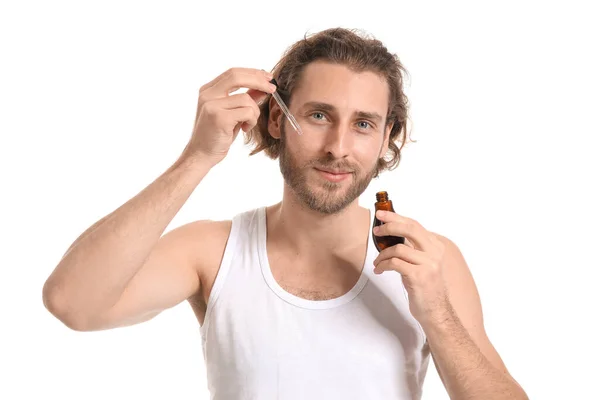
(98, 98)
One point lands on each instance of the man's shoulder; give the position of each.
(448, 243)
(206, 225)
(205, 240)
(452, 253)
(208, 231)
(456, 269)
(201, 234)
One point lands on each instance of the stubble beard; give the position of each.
(328, 197)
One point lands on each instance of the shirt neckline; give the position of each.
(299, 301)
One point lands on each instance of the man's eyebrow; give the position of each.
(369, 115)
(328, 107)
(319, 105)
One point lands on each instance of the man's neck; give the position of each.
(303, 231)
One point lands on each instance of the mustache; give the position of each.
(336, 165)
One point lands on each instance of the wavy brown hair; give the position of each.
(357, 51)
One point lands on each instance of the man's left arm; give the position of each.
(444, 299)
(466, 360)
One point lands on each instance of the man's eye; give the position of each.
(318, 115)
(366, 125)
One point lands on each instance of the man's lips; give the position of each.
(333, 175)
(334, 171)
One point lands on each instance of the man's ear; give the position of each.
(273, 124)
(386, 140)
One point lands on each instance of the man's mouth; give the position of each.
(334, 175)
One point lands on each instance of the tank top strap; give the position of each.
(243, 230)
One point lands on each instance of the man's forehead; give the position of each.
(325, 72)
(336, 87)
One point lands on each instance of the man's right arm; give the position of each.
(121, 271)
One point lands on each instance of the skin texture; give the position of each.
(122, 271)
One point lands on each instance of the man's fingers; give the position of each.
(229, 72)
(236, 100)
(413, 231)
(237, 78)
(257, 95)
(395, 264)
(243, 116)
(402, 252)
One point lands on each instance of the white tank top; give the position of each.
(262, 342)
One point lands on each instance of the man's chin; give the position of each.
(326, 200)
(329, 190)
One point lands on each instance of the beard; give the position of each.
(324, 197)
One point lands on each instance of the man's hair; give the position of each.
(355, 51)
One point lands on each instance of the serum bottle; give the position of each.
(383, 242)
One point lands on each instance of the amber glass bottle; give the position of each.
(382, 242)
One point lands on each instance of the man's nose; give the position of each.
(339, 141)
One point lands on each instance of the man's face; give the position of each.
(342, 116)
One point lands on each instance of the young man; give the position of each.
(294, 301)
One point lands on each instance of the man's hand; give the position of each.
(420, 266)
(220, 116)
(434, 273)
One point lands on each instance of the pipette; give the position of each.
(285, 110)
